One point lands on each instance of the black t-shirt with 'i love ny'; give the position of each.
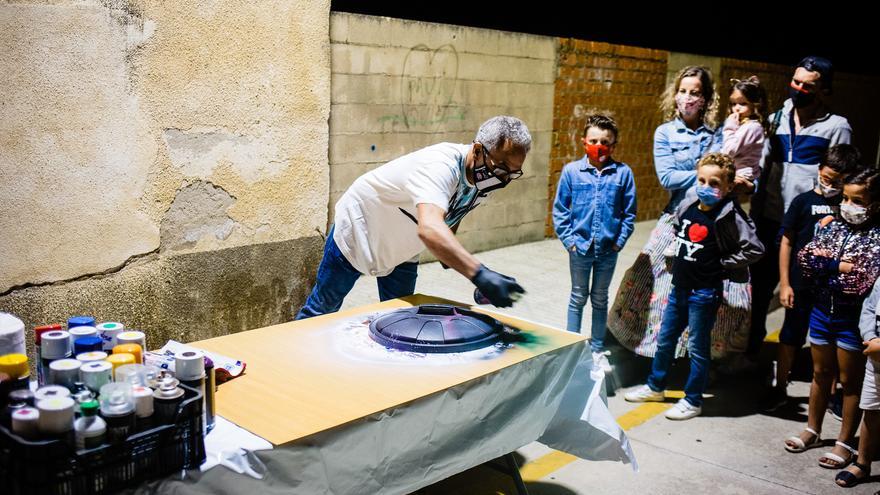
(697, 262)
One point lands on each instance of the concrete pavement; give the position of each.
(731, 449)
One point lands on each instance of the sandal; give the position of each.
(838, 462)
(848, 479)
(799, 445)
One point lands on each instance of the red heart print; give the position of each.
(698, 232)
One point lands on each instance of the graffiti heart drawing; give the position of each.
(428, 83)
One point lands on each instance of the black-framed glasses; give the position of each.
(500, 170)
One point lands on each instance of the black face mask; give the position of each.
(799, 99)
(484, 180)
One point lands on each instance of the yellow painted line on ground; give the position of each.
(555, 460)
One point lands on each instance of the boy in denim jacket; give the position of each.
(594, 214)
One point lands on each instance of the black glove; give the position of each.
(499, 289)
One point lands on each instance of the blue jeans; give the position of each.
(336, 277)
(696, 309)
(602, 268)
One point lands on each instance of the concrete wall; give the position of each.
(401, 85)
(163, 164)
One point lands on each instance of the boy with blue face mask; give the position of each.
(715, 241)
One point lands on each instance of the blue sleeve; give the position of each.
(664, 163)
(717, 140)
(629, 210)
(562, 210)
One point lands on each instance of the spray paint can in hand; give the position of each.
(166, 400)
(189, 368)
(117, 408)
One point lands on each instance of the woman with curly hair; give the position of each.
(690, 105)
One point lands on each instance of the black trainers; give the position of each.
(773, 400)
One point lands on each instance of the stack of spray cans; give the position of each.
(92, 387)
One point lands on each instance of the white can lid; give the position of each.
(83, 331)
(25, 414)
(111, 326)
(87, 357)
(96, 367)
(131, 337)
(50, 392)
(189, 365)
(65, 365)
(55, 344)
(55, 404)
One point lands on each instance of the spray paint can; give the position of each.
(90, 429)
(120, 359)
(108, 332)
(51, 392)
(17, 399)
(64, 372)
(56, 418)
(16, 366)
(11, 334)
(143, 406)
(117, 408)
(91, 343)
(189, 368)
(38, 337)
(210, 389)
(132, 337)
(80, 332)
(166, 400)
(134, 349)
(96, 374)
(80, 321)
(89, 357)
(55, 345)
(25, 423)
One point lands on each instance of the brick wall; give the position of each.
(624, 80)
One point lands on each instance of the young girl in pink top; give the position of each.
(744, 131)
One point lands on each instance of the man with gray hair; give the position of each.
(392, 213)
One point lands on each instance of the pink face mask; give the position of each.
(689, 105)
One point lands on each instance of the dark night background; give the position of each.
(781, 32)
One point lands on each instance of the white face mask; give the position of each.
(827, 191)
(853, 214)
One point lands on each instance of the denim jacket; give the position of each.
(735, 234)
(595, 207)
(677, 149)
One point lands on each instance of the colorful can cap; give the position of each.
(87, 344)
(80, 321)
(15, 365)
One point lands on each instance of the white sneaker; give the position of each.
(600, 361)
(683, 410)
(643, 393)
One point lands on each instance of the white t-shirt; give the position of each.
(376, 227)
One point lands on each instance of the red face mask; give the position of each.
(597, 152)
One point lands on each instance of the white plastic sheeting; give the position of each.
(414, 445)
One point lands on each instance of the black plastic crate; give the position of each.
(53, 467)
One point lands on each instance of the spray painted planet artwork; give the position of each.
(430, 333)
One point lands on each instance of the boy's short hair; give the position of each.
(825, 69)
(602, 121)
(842, 158)
(720, 160)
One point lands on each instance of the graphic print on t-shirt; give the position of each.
(691, 242)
